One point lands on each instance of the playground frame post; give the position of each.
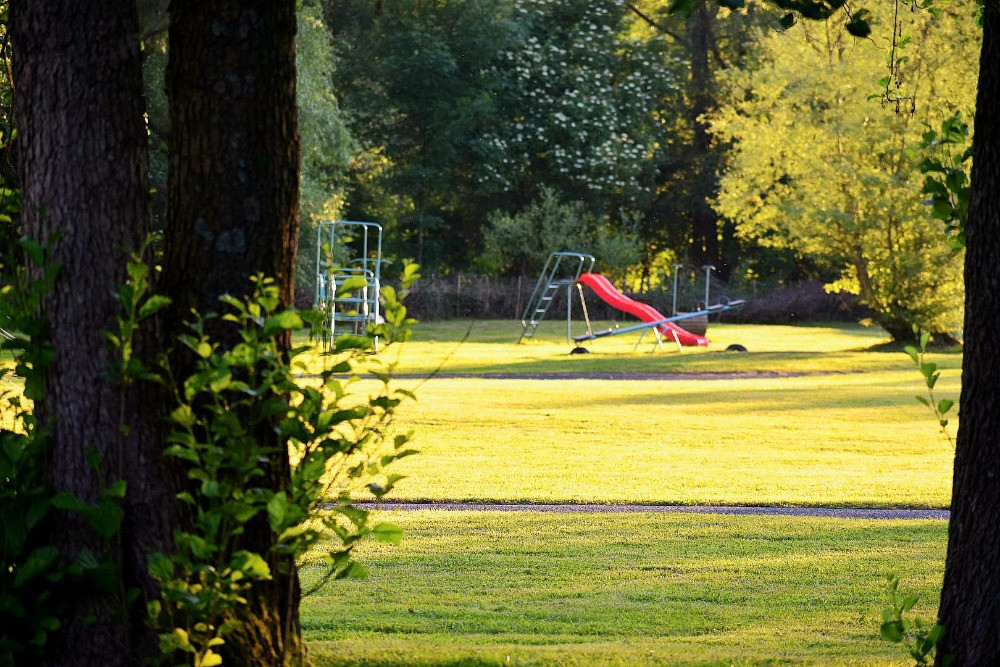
(708, 268)
(673, 307)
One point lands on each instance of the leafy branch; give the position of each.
(929, 370)
(921, 640)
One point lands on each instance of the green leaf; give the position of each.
(183, 415)
(350, 285)
(153, 304)
(941, 209)
(105, 518)
(221, 380)
(892, 631)
(388, 532)
(36, 512)
(161, 567)
(277, 510)
(286, 320)
(116, 490)
(210, 488)
(251, 564)
(351, 342)
(684, 7)
(354, 570)
(944, 405)
(70, 503)
(210, 659)
(180, 452)
(37, 562)
(33, 250)
(356, 515)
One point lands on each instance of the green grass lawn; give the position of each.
(835, 424)
(842, 440)
(494, 588)
(847, 433)
(491, 349)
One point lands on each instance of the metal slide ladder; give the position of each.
(354, 312)
(562, 269)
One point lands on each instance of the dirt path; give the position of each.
(611, 375)
(826, 512)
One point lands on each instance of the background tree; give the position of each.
(411, 77)
(522, 241)
(574, 97)
(327, 144)
(822, 171)
(10, 182)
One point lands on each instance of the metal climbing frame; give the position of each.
(562, 269)
(356, 310)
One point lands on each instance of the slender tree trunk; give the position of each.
(232, 211)
(82, 149)
(970, 599)
(704, 232)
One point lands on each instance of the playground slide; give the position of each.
(609, 294)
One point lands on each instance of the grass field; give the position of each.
(810, 416)
(847, 433)
(490, 588)
(491, 349)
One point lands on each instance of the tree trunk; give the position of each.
(232, 212)
(970, 599)
(82, 150)
(704, 221)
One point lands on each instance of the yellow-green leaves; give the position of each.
(820, 169)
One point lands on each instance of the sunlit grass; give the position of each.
(836, 424)
(490, 348)
(496, 588)
(842, 440)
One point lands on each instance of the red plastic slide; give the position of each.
(606, 291)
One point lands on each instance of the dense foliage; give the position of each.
(819, 169)
(663, 132)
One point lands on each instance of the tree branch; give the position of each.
(653, 24)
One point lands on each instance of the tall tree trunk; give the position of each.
(82, 149)
(970, 599)
(704, 232)
(232, 211)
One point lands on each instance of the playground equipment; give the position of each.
(562, 269)
(663, 327)
(355, 310)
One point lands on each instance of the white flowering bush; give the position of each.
(576, 100)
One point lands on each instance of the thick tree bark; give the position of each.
(82, 148)
(232, 211)
(970, 599)
(234, 148)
